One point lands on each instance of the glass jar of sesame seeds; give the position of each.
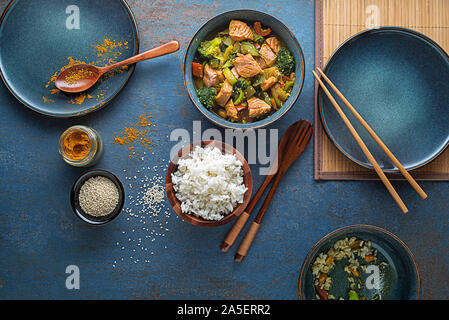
(80, 146)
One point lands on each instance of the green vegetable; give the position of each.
(228, 52)
(240, 86)
(272, 72)
(206, 96)
(282, 94)
(288, 86)
(258, 80)
(228, 63)
(353, 295)
(266, 98)
(248, 47)
(229, 76)
(227, 41)
(237, 47)
(240, 97)
(215, 63)
(285, 61)
(210, 49)
(198, 82)
(241, 83)
(258, 38)
(249, 92)
(274, 94)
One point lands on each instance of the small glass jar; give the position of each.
(96, 147)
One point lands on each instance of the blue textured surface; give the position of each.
(40, 235)
(397, 80)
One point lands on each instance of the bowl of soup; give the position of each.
(243, 69)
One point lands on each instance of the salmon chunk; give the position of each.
(224, 94)
(239, 31)
(268, 83)
(274, 44)
(246, 66)
(235, 73)
(257, 107)
(211, 77)
(267, 54)
(261, 62)
(231, 111)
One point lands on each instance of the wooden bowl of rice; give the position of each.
(185, 153)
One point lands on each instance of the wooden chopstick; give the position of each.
(302, 138)
(390, 155)
(362, 145)
(241, 221)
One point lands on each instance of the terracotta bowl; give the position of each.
(176, 204)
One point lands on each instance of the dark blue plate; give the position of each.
(400, 280)
(398, 80)
(35, 43)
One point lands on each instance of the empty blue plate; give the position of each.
(37, 37)
(398, 80)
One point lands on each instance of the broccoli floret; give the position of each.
(258, 38)
(285, 61)
(206, 96)
(241, 84)
(229, 63)
(210, 49)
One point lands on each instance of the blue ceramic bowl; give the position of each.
(37, 36)
(400, 281)
(397, 79)
(221, 22)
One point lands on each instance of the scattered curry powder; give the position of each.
(134, 134)
(77, 145)
(47, 100)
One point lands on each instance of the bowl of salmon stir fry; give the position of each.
(243, 69)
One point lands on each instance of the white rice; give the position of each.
(208, 183)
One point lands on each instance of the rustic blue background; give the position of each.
(40, 235)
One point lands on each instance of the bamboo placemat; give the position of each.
(336, 21)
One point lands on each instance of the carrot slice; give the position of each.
(240, 107)
(197, 69)
(323, 294)
(260, 31)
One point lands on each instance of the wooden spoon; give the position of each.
(90, 74)
(293, 150)
(240, 223)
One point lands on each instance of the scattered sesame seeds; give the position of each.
(147, 213)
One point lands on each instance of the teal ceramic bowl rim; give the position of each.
(306, 263)
(99, 105)
(334, 54)
(257, 124)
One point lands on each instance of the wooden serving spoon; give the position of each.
(91, 73)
